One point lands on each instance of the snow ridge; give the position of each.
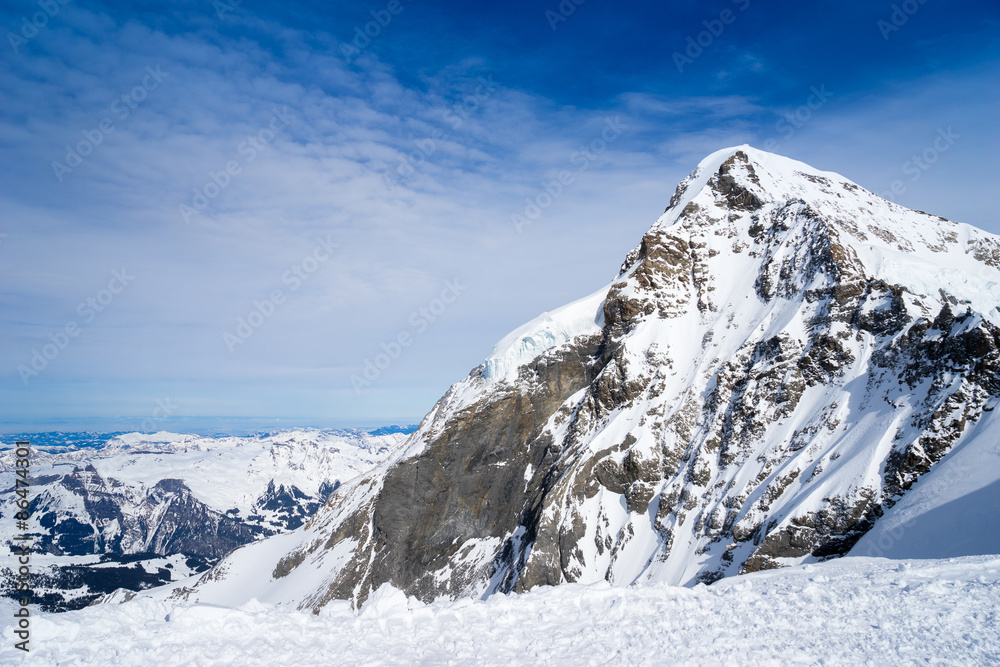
(583, 317)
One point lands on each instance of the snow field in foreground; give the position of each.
(851, 611)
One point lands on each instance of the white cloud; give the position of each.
(324, 173)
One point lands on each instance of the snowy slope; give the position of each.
(854, 611)
(780, 362)
(952, 511)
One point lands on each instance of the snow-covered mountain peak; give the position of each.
(788, 228)
(781, 358)
(748, 180)
(793, 228)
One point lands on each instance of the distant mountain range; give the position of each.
(142, 510)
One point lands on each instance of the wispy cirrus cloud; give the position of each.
(370, 155)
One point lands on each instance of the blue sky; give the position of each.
(231, 209)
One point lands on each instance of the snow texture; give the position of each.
(853, 611)
(548, 330)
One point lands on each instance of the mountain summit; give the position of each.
(778, 362)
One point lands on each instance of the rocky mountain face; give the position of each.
(776, 364)
(112, 517)
(166, 518)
